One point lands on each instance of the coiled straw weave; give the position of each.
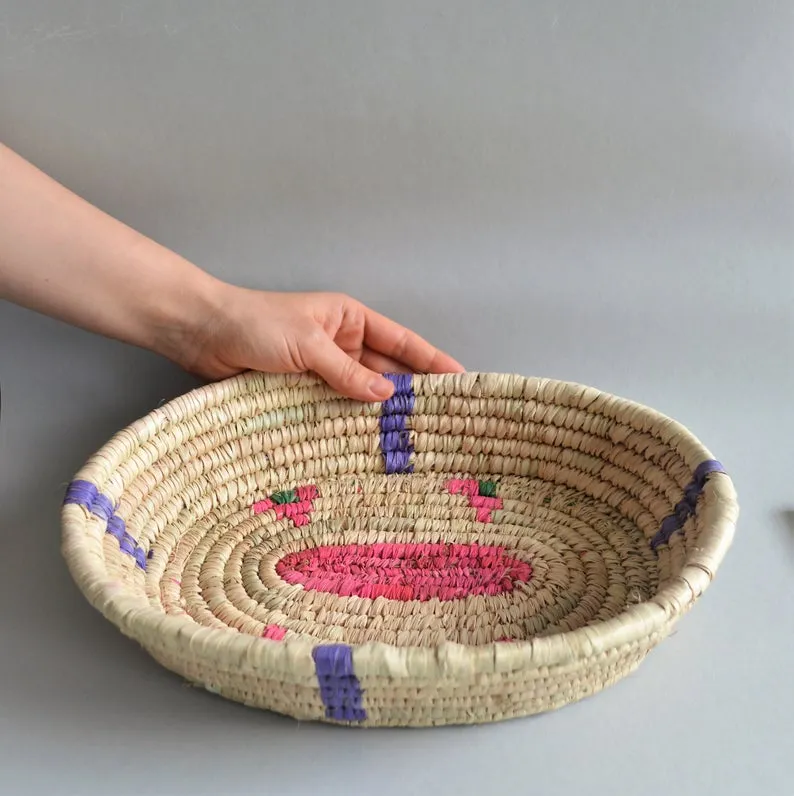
(479, 547)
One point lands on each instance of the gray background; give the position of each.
(597, 191)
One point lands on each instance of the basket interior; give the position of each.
(474, 509)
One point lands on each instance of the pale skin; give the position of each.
(63, 257)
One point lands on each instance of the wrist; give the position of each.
(185, 314)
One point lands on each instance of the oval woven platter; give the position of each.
(476, 548)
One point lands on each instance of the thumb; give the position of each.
(344, 374)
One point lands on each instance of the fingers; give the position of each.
(399, 344)
(381, 364)
(345, 374)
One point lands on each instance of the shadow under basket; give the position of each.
(478, 547)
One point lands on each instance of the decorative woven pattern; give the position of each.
(365, 564)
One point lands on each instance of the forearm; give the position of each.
(61, 256)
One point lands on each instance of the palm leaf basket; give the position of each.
(476, 548)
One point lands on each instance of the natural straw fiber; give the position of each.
(479, 547)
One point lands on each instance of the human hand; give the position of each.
(332, 335)
(63, 257)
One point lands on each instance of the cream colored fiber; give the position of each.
(586, 480)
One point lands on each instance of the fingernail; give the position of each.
(381, 388)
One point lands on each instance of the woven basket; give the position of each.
(476, 548)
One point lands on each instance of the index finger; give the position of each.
(383, 335)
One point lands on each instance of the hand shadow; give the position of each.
(787, 518)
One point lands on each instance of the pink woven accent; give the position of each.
(274, 632)
(484, 505)
(458, 486)
(308, 492)
(405, 571)
(262, 506)
(298, 512)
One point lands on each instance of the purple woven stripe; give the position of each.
(395, 437)
(340, 689)
(85, 494)
(82, 493)
(704, 469)
(687, 506)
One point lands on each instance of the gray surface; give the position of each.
(594, 191)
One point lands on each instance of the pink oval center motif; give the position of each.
(405, 571)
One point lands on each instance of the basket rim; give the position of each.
(291, 658)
